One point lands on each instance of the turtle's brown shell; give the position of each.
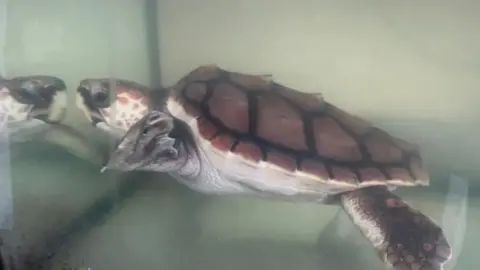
(259, 119)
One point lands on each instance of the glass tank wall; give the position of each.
(410, 68)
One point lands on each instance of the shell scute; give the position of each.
(371, 174)
(316, 168)
(196, 91)
(206, 128)
(284, 161)
(259, 119)
(333, 142)
(344, 174)
(381, 149)
(397, 173)
(249, 150)
(223, 142)
(356, 124)
(417, 168)
(230, 106)
(275, 115)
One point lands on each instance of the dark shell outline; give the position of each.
(307, 117)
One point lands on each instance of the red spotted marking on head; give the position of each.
(133, 93)
(125, 95)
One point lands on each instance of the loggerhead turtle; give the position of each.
(31, 101)
(222, 132)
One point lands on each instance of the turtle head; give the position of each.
(41, 97)
(155, 143)
(112, 104)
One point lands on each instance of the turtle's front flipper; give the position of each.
(403, 237)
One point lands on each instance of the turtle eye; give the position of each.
(145, 130)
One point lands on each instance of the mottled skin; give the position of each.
(222, 132)
(111, 104)
(22, 99)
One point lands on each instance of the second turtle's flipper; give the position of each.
(404, 238)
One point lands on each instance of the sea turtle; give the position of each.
(113, 111)
(31, 101)
(225, 132)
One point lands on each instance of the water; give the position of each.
(140, 222)
(410, 69)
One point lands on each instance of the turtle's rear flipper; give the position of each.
(403, 237)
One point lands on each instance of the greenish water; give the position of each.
(367, 57)
(67, 213)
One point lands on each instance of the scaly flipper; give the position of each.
(403, 237)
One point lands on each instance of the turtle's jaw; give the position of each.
(92, 97)
(53, 112)
(147, 146)
(92, 113)
(96, 117)
(130, 156)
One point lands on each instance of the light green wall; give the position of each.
(410, 67)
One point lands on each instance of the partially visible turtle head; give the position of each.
(157, 142)
(112, 104)
(32, 97)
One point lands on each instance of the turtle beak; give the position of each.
(45, 94)
(93, 96)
